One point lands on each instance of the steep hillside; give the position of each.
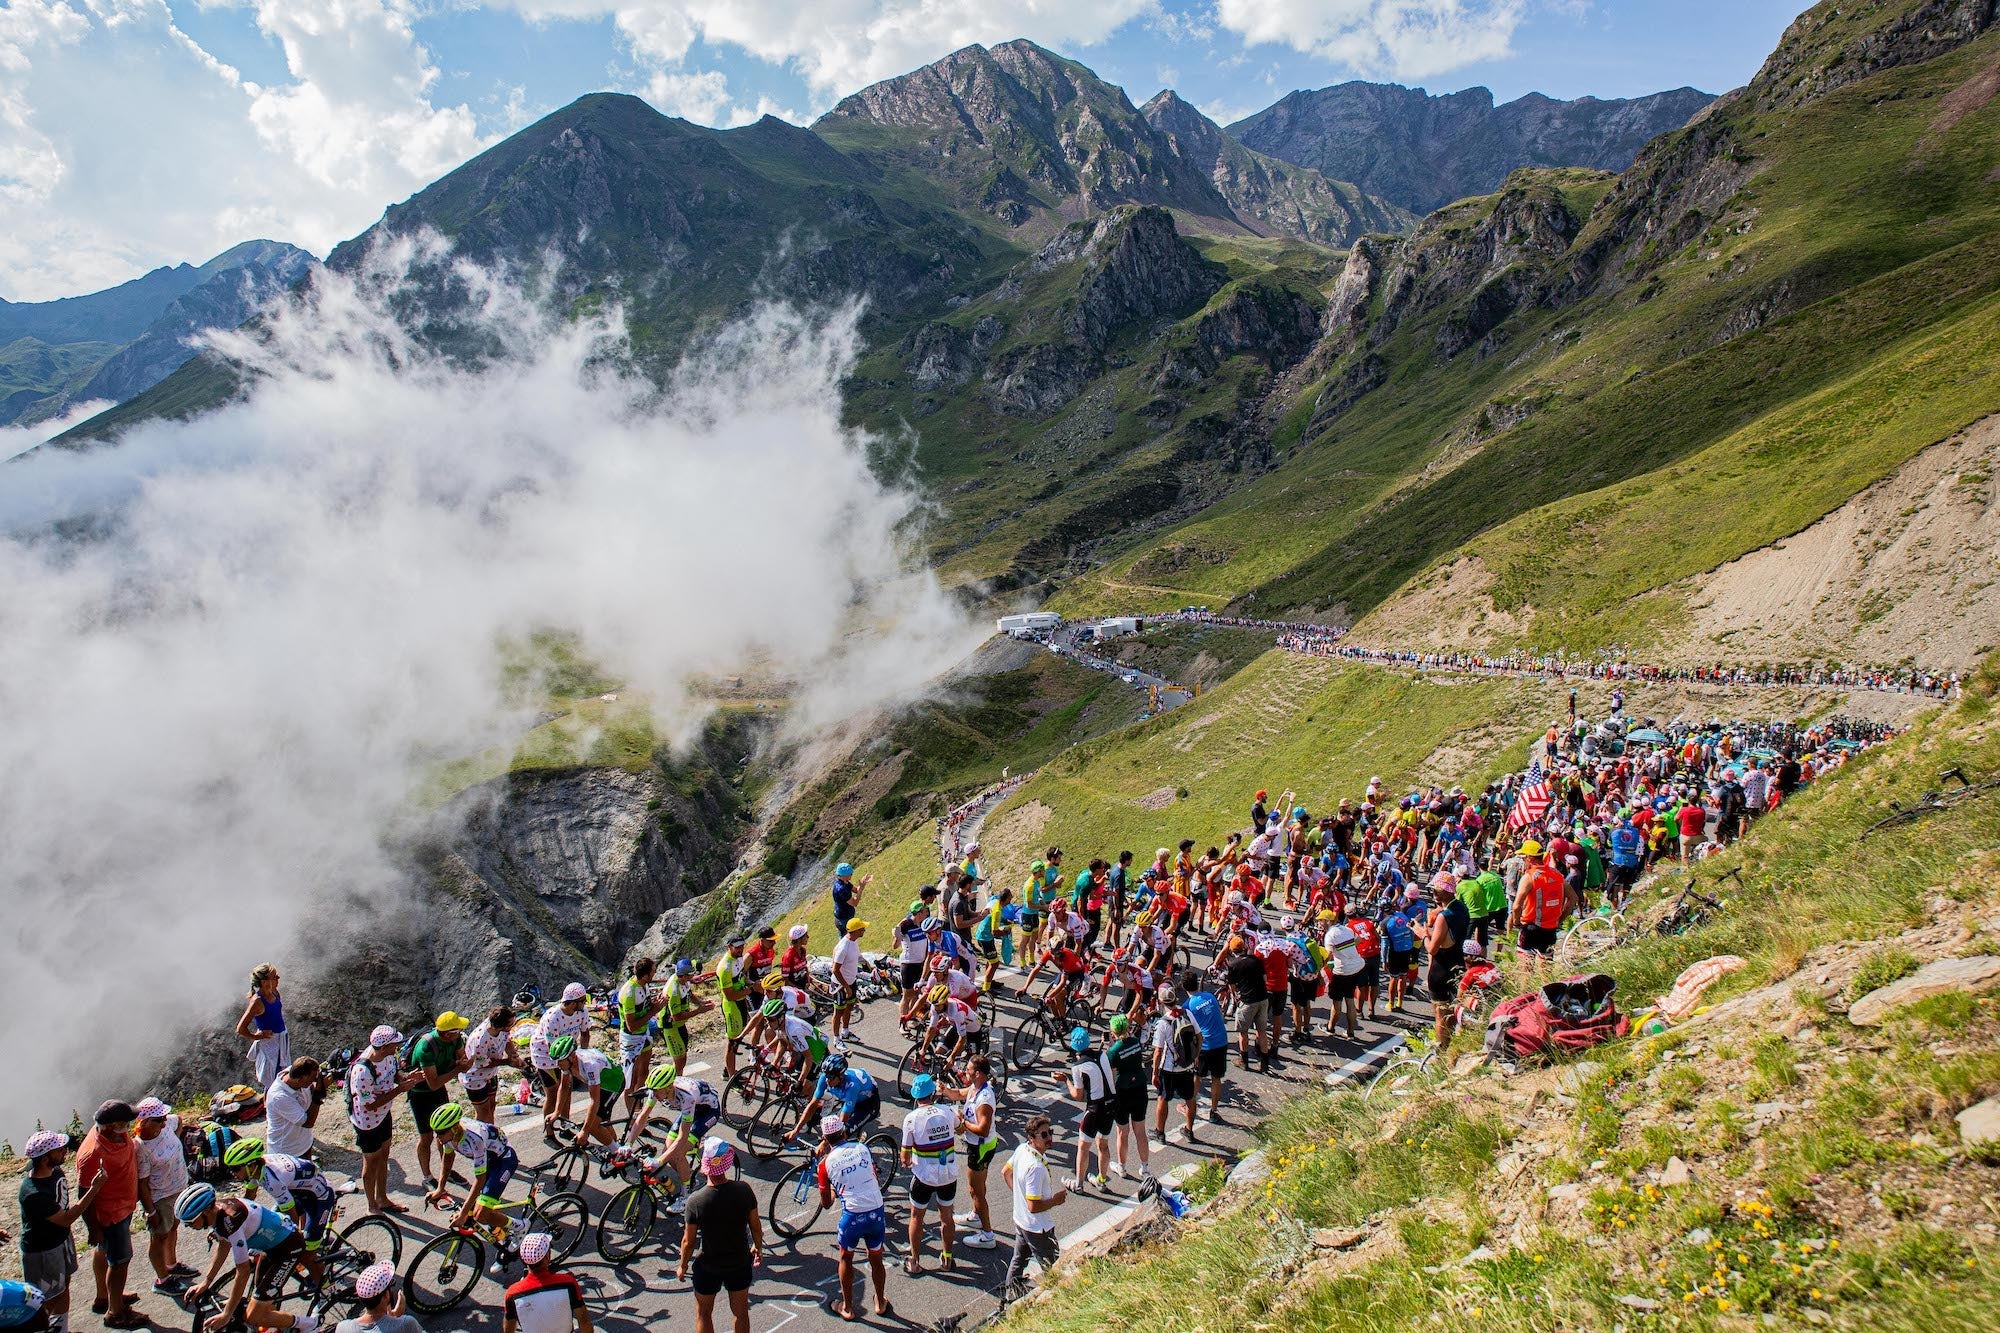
(1575, 332)
(1422, 151)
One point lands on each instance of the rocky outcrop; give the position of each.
(1036, 379)
(937, 356)
(1273, 323)
(1136, 267)
(1831, 46)
(1421, 152)
(1269, 196)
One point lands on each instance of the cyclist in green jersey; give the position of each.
(637, 1008)
(732, 979)
(680, 1005)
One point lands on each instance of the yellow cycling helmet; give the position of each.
(773, 981)
(939, 994)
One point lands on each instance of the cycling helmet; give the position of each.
(931, 923)
(612, 1079)
(661, 1079)
(562, 1048)
(194, 1201)
(772, 982)
(938, 994)
(243, 1152)
(843, 871)
(939, 962)
(922, 1086)
(772, 1008)
(447, 1118)
(1079, 1039)
(683, 967)
(834, 1067)
(22, 1297)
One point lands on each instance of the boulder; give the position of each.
(1939, 978)
(1979, 1124)
(1676, 1174)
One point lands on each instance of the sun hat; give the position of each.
(832, 1125)
(535, 1248)
(373, 1280)
(43, 1142)
(717, 1157)
(152, 1108)
(384, 1035)
(922, 1086)
(1079, 1039)
(574, 991)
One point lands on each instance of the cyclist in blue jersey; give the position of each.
(263, 1245)
(21, 1308)
(859, 1100)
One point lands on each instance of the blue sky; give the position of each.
(140, 132)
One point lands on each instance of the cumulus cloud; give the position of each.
(1405, 39)
(220, 707)
(124, 144)
(17, 440)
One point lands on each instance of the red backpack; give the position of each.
(1367, 939)
(1563, 1017)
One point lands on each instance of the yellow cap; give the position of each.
(1531, 848)
(856, 925)
(451, 1022)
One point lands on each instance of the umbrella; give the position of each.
(1648, 736)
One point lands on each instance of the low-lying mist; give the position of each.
(288, 612)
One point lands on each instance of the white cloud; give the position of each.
(699, 96)
(16, 440)
(124, 144)
(1407, 39)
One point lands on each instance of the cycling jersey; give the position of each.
(849, 1171)
(590, 1064)
(964, 1019)
(1069, 961)
(799, 1034)
(635, 1002)
(927, 1133)
(960, 984)
(679, 1002)
(856, 1088)
(968, 1114)
(287, 1179)
(916, 944)
(696, 1106)
(259, 1230)
(19, 1303)
(796, 1001)
(730, 973)
(480, 1143)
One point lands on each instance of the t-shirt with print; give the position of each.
(42, 1199)
(365, 1082)
(163, 1171)
(555, 1023)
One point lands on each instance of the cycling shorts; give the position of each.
(863, 1230)
(269, 1268)
(866, 1111)
(501, 1163)
(733, 1019)
(694, 1125)
(310, 1213)
(675, 1039)
(980, 1156)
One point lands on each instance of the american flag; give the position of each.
(1533, 802)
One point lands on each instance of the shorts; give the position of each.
(699, 1122)
(160, 1217)
(1096, 1119)
(1305, 991)
(310, 1214)
(709, 1280)
(500, 1169)
(424, 1103)
(733, 1021)
(844, 995)
(1030, 922)
(912, 974)
(1340, 989)
(863, 1230)
(866, 1111)
(675, 1039)
(1625, 876)
(482, 1094)
(1442, 982)
(631, 1045)
(988, 949)
(1253, 1016)
(1212, 1063)
(50, 1270)
(270, 1269)
(1534, 939)
(1128, 1106)
(979, 1156)
(370, 1140)
(1177, 1085)
(1370, 975)
(923, 1195)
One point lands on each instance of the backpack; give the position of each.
(203, 1146)
(1563, 1017)
(1187, 1043)
(236, 1105)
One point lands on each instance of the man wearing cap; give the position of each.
(374, 1081)
(544, 1300)
(733, 982)
(163, 1174)
(914, 942)
(109, 1152)
(846, 975)
(930, 1152)
(381, 1297)
(568, 1018)
(847, 1172)
(437, 1057)
(846, 895)
(795, 964)
(724, 1219)
(48, 1249)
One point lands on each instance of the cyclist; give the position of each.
(860, 1100)
(21, 1308)
(947, 944)
(732, 980)
(295, 1186)
(263, 1245)
(492, 1162)
(929, 1151)
(638, 1007)
(977, 1116)
(692, 1105)
(679, 1006)
(847, 1170)
(601, 1080)
(947, 1010)
(1062, 939)
(794, 1043)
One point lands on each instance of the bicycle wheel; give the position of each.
(374, 1239)
(740, 1096)
(793, 1205)
(1593, 935)
(777, 1116)
(917, 1060)
(567, 1170)
(1394, 1078)
(627, 1223)
(563, 1218)
(443, 1272)
(887, 1151)
(205, 1309)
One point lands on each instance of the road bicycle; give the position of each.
(792, 1206)
(330, 1296)
(1042, 1035)
(1934, 802)
(776, 1114)
(1693, 907)
(443, 1273)
(626, 1226)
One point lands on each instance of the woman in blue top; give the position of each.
(263, 1026)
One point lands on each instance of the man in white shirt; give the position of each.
(1036, 1196)
(846, 975)
(291, 1108)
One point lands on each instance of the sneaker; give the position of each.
(980, 1240)
(1101, 1181)
(170, 1285)
(430, 1184)
(1118, 1170)
(1072, 1184)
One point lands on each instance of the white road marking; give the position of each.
(522, 1122)
(1100, 1224)
(1364, 1060)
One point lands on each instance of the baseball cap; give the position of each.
(448, 1021)
(535, 1248)
(856, 926)
(384, 1035)
(575, 991)
(372, 1281)
(737, 941)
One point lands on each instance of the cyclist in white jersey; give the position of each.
(488, 1156)
(691, 1107)
(295, 1186)
(929, 1151)
(978, 1117)
(263, 1247)
(847, 1171)
(961, 1017)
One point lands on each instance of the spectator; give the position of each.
(491, 1050)
(263, 1026)
(1176, 1053)
(1693, 821)
(544, 1300)
(723, 1218)
(846, 974)
(381, 1295)
(108, 1153)
(48, 1249)
(1206, 1012)
(292, 1106)
(374, 1082)
(846, 895)
(1036, 1195)
(163, 1174)
(436, 1058)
